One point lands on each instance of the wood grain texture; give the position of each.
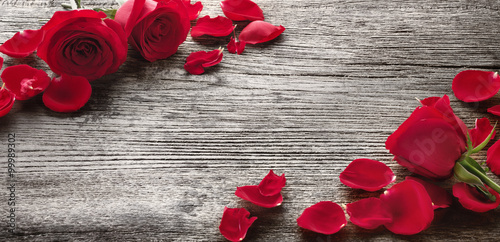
(157, 153)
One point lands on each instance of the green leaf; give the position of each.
(109, 12)
(484, 143)
(469, 144)
(464, 175)
(474, 163)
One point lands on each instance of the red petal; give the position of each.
(439, 196)
(235, 223)
(22, 44)
(218, 26)
(472, 199)
(366, 174)
(482, 130)
(25, 81)
(1, 62)
(196, 61)
(253, 195)
(67, 93)
(494, 110)
(368, 213)
(272, 184)
(235, 46)
(239, 10)
(324, 217)
(259, 32)
(193, 9)
(493, 158)
(474, 86)
(410, 206)
(428, 147)
(6, 101)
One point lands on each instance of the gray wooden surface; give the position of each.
(157, 153)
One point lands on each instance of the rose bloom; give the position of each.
(154, 28)
(431, 140)
(83, 43)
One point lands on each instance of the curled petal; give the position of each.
(368, 213)
(67, 93)
(472, 199)
(494, 110)
(6, 101)
(439, 197)
(1, 62)
(193, 9)
(197, 61)
(218, 26)
(25, 81)
(253, 195)
(22, 43)
(235, 46)
(239, 10)
(410, 207)
(366, 174)
(324, 217)
(475, 86)
(259, 32)
(481, 132)
(272, 184)
(235, 223)
(493, 158)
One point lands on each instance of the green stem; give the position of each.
(481, 176)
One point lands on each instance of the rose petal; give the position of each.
(1, 62)
(193, 9)
(475, 86)
(472, 199)
(368, 213)
(22, 43)
(366, 174)
(218, 26)
(481, 132)
(494, 110)
(239, 10)
(6, 101)
(410, 207)
(196, 61)
(235, 223)
(25, 81)
(259, 32)
(67, 93)
(324, 217)
(235, 46)
(272, 184)
(439, 196)
(493, 158)
(253, 195)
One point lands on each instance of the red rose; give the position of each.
(430, 141)
(154, 28)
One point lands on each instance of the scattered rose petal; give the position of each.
(22, 43)
(253, 195)
(493, 158)
(197, 61)
(235, 223)
(1, 62)
(472, 199)
(6, 101)
(260, 32)
(439, 196)
(235, 46)
(368, 213)
(366, 174)
(67, 93)
(272, 184)
(481, 132)
(495, 110)
(25, 81)
(475, 86)
(218, 26)
(410, 207)
(239, 10)
(324, 217)
(193, 9)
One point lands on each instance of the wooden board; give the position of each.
(157, 153)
